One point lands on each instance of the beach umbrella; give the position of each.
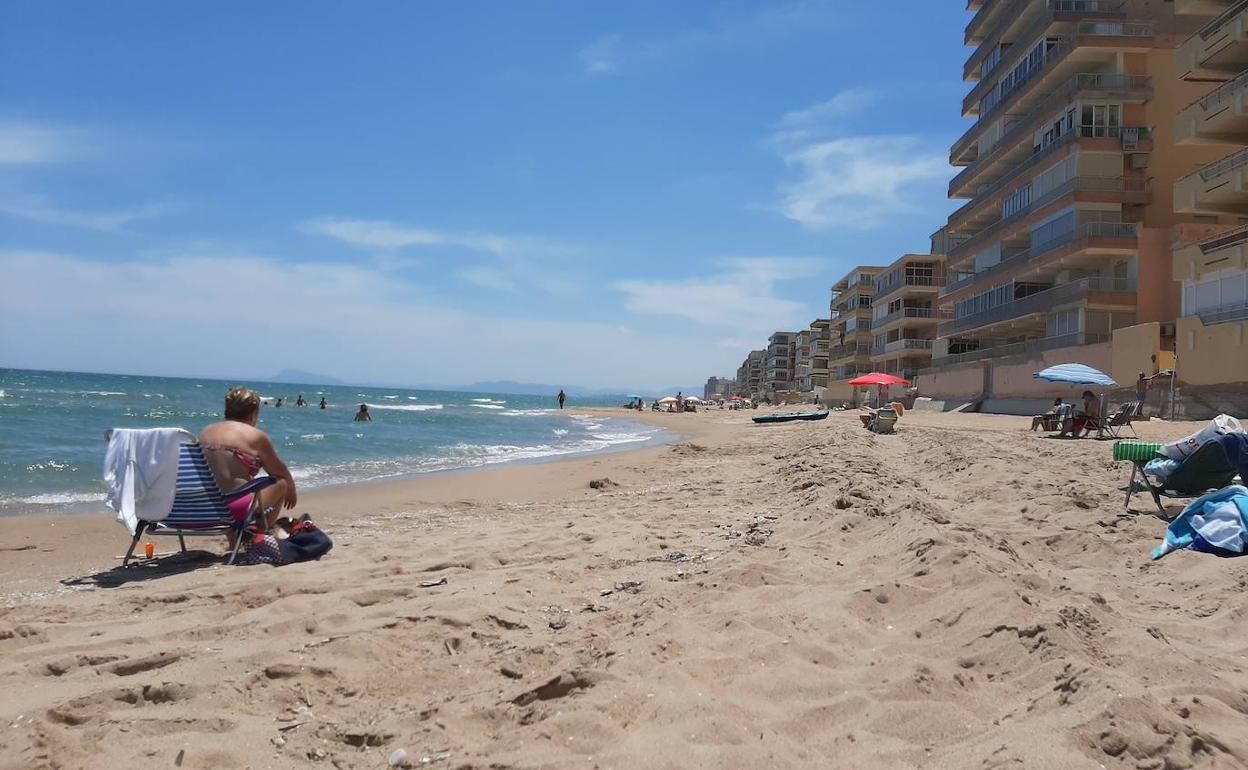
(1075, 374)
(693, 399)
(667, 400)
(879, 378)
(738, 398)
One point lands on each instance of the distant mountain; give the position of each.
(300, 377)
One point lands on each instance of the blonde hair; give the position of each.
(240, 402)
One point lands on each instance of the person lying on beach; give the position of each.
(1084, 419)
(236, 450)
(1042, 419)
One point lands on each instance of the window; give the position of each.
(1100, 120)
(1217, 292)
(1016, 202)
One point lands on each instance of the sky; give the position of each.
(627, 194)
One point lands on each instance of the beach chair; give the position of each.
(199, 506)
(883, 420)
(1054, 424)
(1208, 468)
(1119, 420)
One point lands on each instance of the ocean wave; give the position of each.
(98, 392)
(160, 395)
(488, 406)
(312, 436)
(389, 396)
(560, 431)
(488, 401)
(54, 498)
(406, 407)
(527, 412)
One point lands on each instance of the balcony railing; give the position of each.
(1224, 240)
(1076, 184)
(1221, 93)
(1062, 95)
(884, 287)
(1220, 167)
(1213, 26)
(1225, 315)
(848, 350)
(1083, 232)
(1040, 302)
(1019, 348)
(880, 347)
(912, 312)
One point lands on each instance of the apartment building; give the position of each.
(1068, 166)
(1212, 266)
(750, 375)
(718, 387)
(904, 314)
(849, 335)
(781, 352)
(810, 367)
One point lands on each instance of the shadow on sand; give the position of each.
(144, 570)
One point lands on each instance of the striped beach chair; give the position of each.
(199, 506)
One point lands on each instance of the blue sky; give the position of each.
(631, 194)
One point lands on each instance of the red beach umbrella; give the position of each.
(878, 378)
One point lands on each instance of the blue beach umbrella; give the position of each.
(632, 395)
(1075, 374)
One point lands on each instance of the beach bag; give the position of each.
(1220, 425)
(258, 548)
(1216, 523)
(306, 542)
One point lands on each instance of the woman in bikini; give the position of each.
(236, 450)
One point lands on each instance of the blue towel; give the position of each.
(1216, 523)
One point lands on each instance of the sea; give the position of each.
(52, 428)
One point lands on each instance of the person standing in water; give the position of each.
(562, 397)
(363, 415)
(324, 403)
(300, 402)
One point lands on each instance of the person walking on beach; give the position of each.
(562, 397)
(236, 450)
(363, 415)
(324, 403)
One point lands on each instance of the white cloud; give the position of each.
(25, 143)
(600, 56)
(39, 210)
(856, 181)
(489, 278)
(352, 321)
(740, 299)
(861, 182)
(382, 234)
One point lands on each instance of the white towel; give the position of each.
(141, 471)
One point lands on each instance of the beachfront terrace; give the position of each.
(1219, 116)
(1220, 187)
(1022, 308)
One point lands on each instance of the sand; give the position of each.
(961, 594)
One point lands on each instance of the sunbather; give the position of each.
(236, 450)
(1047, 417)
(1084, 419)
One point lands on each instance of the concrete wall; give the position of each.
(1011, 377)
(1137, 349)
(1212, 355)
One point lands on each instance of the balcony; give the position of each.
(904, 345)
(1082, 44)
(1219, 116)
(1100, 291)
(1226, 250)
(1090, 236)
(843, 353)
(1218, 188)
(1219, 49)
(1022, 348)
(1201, 7)
(1019, 21)
(920, 282)
(923, 313)
(1017, 138)
(1083, 188)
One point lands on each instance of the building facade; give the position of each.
(1212, 266)
(849, 334)
(904, 314)
(1068, 167)
(781, 355)
(750, 375)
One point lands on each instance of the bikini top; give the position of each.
(249, 462)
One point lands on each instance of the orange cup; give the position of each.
(149, 548)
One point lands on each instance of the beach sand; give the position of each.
(961, 594)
